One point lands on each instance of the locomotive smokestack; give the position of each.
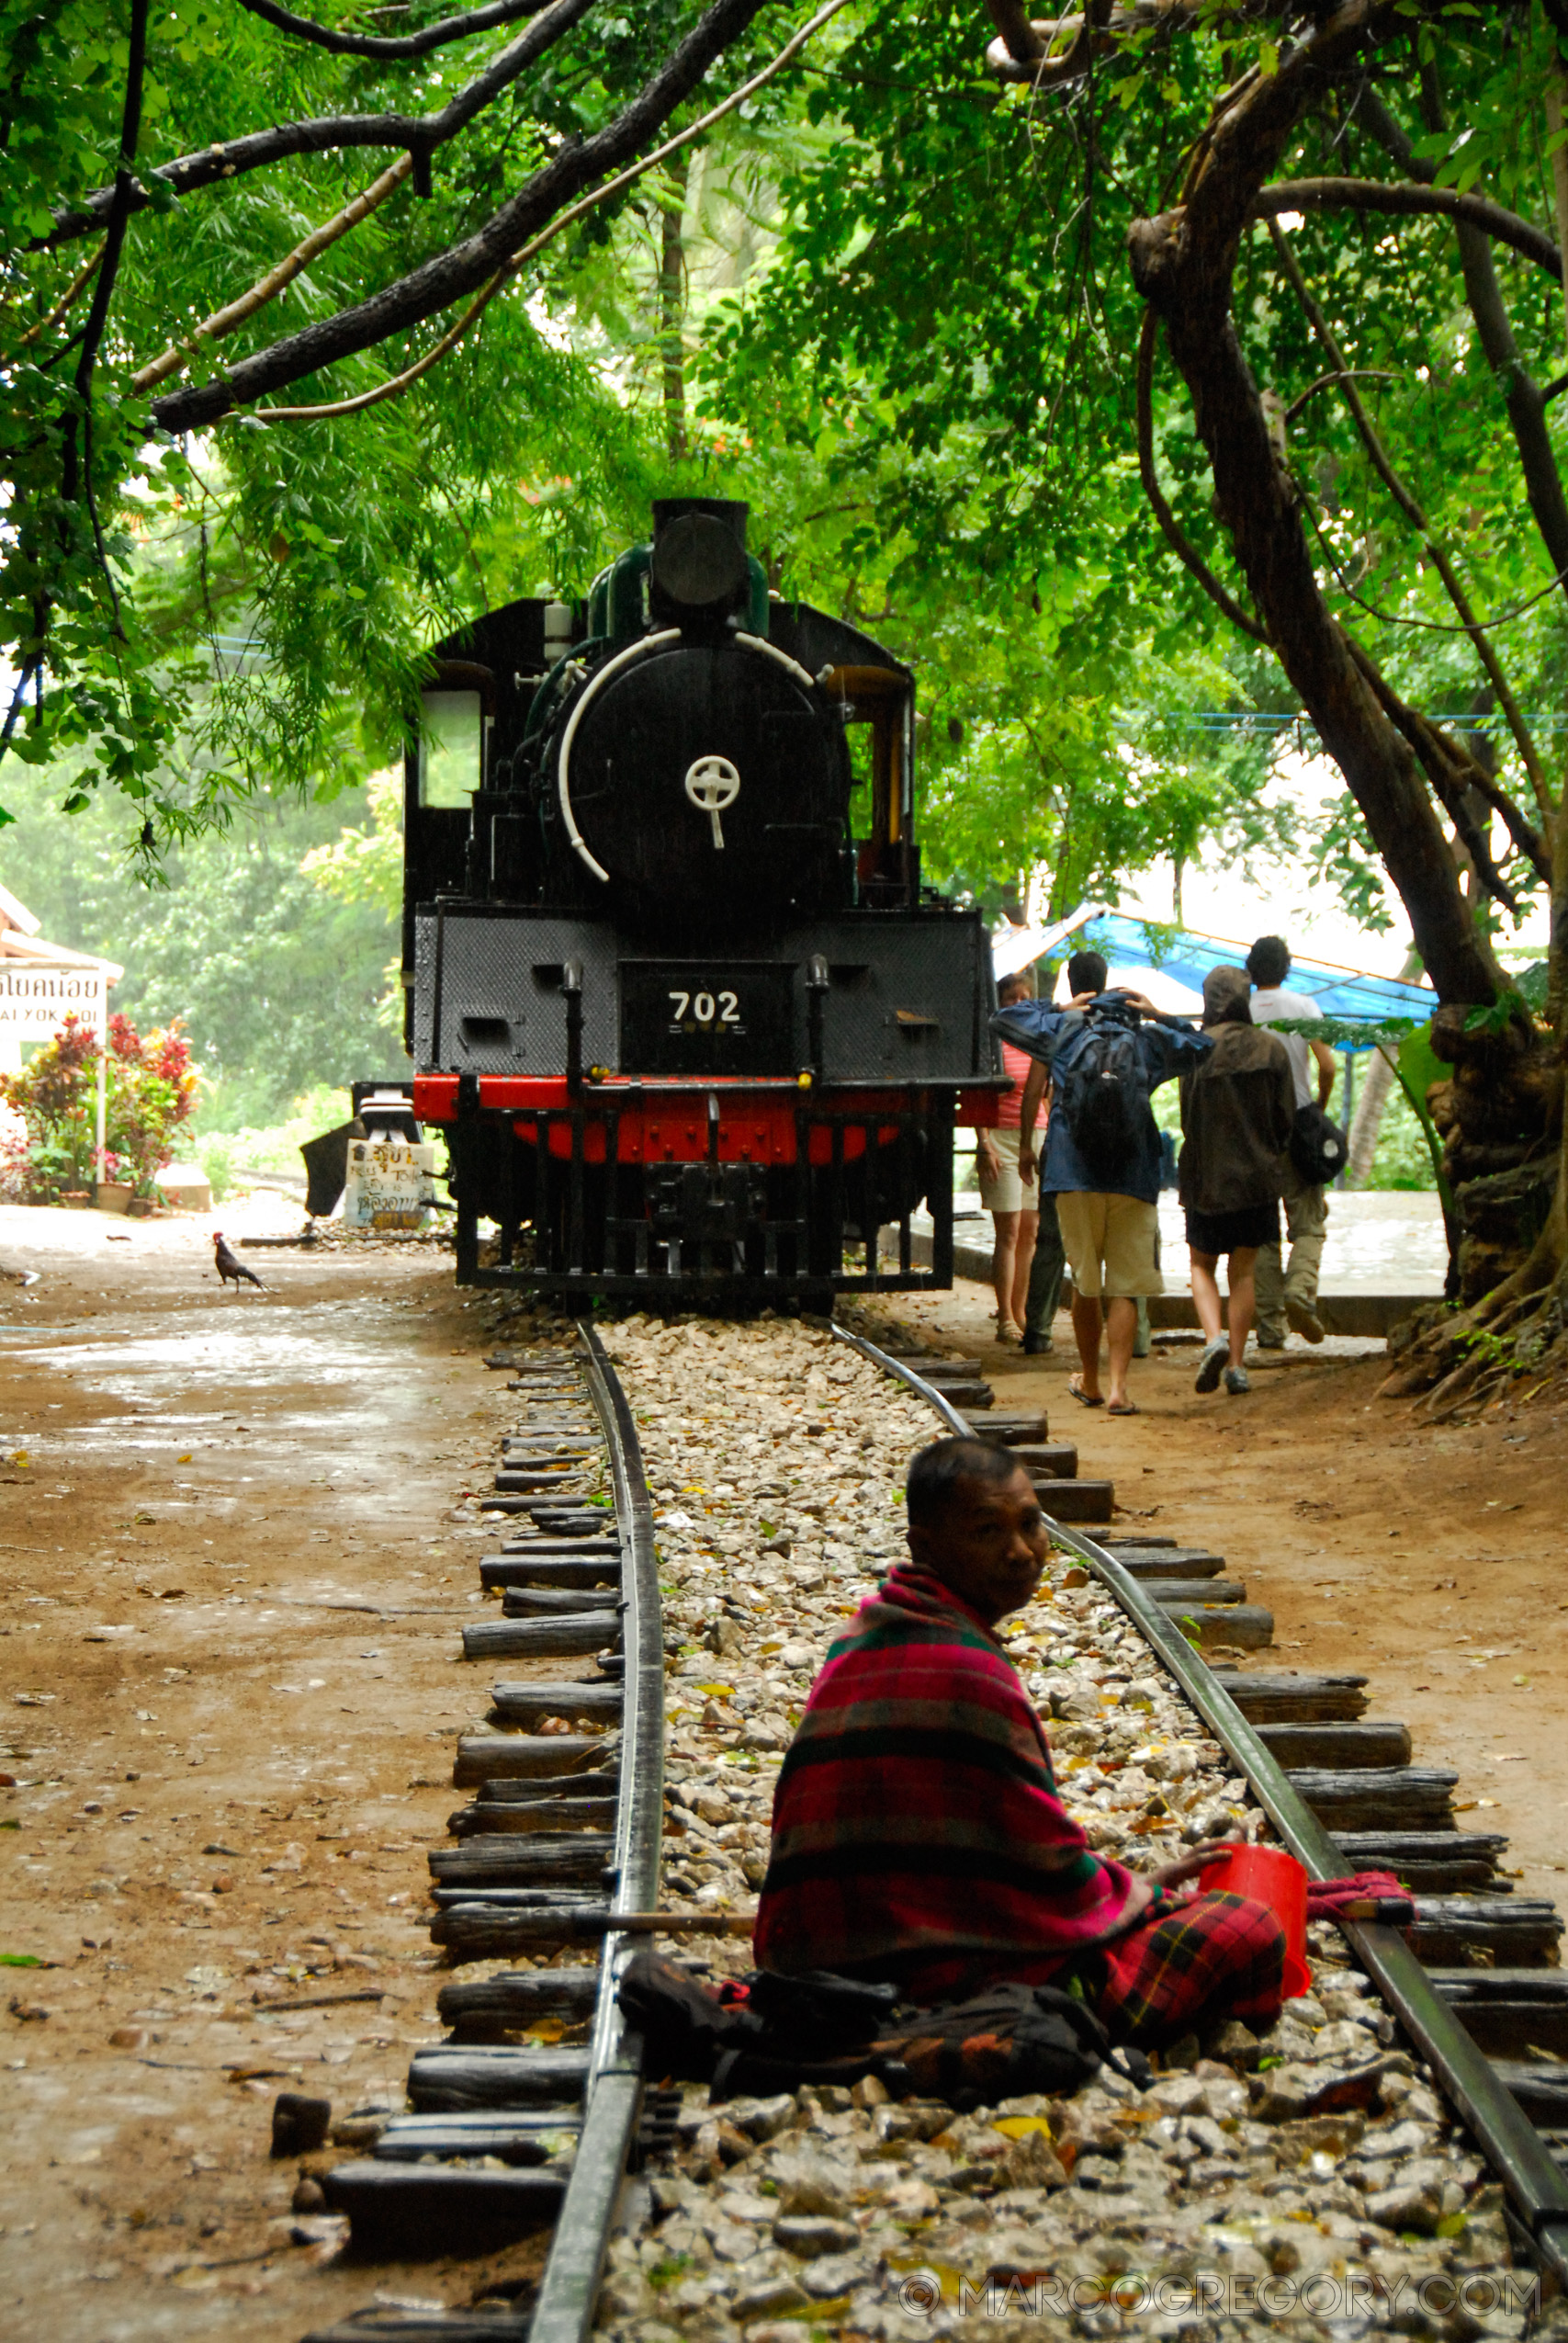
(732, 514)
(699, 556)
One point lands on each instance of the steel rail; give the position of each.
(1536, 2186)
(563, 2312)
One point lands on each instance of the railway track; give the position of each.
(557, 1858)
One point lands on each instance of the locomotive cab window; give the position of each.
(450, 754)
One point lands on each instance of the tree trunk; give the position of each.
(1373, 1102)
(1367, 1122)
(1184, 263)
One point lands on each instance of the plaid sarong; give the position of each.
(1213, 1958)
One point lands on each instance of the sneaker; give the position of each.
(1267, 1342)
(1236, 1380)
(1037, 1346)
(1303, 1321)
(1210, 1367)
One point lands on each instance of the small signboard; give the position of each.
(390, 1185)
(35, 1000)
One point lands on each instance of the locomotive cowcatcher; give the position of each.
(673, 989)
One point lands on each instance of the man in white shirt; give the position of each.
(1288, 1297)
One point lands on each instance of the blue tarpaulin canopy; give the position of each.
(1179, 952)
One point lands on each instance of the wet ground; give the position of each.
(235, 1555)
(232, 1583)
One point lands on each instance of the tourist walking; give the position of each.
(1287, 1297)
(1012, 1202)
(1238, 1106)
(1103, 1054)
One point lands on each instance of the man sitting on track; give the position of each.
(917, 1836)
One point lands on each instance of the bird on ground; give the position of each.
(227, 1267)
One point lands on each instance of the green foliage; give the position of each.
(914, 330)
(150, 1091)
(55, 1095)
(1404, 1157)
(279, 983)
(262, 595)
(949, 323)
(1418, 1066)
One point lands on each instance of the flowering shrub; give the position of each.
(151, 1092)
(56, 1096)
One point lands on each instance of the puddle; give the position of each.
(338, 1363)
(141, 1368)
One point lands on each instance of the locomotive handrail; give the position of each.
(627, 658)
(771, 651)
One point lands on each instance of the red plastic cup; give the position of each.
(1269, 1876)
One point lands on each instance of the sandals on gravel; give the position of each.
(1085, 1398)
(1123, 1408)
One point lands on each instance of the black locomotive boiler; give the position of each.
(675, 990)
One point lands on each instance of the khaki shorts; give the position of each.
(1111, 1244)
(1007, 1192)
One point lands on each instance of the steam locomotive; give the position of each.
(673, 989)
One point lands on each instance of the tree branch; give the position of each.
(1373, 195)
(400, 382)
(327, 133)
(1020, 43)
(464, 268)
(1326, 382)
(1452, 775)
(1022, 51)
(392, 45)
(179, 356)
(1409, 505)
(75, 467)
(1522, 396)
(1183, 264)
(1180, 545)
(67, 301)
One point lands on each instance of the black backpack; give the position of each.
(1318, 1149)
(779, 2033)
(1104, 1095)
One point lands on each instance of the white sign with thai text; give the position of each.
(36, 1000)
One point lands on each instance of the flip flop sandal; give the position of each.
(1123, 1408)
(1085, 1398)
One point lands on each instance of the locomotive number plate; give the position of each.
(707, 1017)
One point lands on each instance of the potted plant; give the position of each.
(114, 1192)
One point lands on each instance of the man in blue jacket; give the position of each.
(1103, 1055)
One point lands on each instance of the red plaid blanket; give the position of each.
(916, 1830)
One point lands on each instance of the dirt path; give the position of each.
(1430, 1558)
(233, 1576)
(234, 1561)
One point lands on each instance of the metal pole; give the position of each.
(103, 1066)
